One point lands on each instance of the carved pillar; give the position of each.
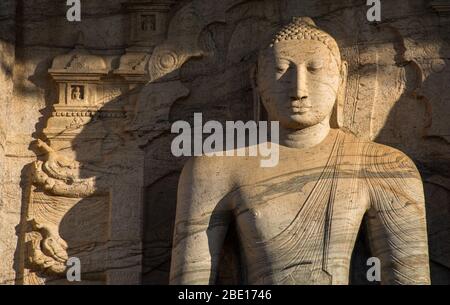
(78, 76)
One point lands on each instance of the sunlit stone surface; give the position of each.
(101, 184)
(297, 222)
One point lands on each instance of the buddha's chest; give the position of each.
(300, 208)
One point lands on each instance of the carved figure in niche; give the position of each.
(297, 222)
(77, 93)
(148, 23)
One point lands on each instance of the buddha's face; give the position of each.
(298, 82)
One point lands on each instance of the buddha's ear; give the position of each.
(257, 104)
(337, 117)
(344, 72)
(253, 76)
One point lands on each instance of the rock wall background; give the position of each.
(397, 95)
(10, 209)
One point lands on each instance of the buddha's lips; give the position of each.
(298, 106)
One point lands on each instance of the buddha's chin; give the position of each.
(300, 121)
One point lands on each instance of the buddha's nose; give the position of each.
(299, 85)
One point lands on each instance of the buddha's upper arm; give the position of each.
(395, 185)
(201, 221)
(202, 189)
(396, 218)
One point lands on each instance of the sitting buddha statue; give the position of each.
(297, 222)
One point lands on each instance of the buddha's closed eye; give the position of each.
(282, 67)
(314, 65)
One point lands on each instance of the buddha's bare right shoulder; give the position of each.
(205, 180)
(208, 167)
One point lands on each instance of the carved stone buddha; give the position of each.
(297, 222)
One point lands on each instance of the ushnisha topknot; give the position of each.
(304, 28)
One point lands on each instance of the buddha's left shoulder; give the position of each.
(379, 156)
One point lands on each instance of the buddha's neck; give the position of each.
(306, 137)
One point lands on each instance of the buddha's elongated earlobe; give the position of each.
(337, 117)
(257, 103)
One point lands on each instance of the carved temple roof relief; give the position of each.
(147, 24)
(91, 86)
(441, 6)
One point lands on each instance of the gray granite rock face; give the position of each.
(102, 93)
